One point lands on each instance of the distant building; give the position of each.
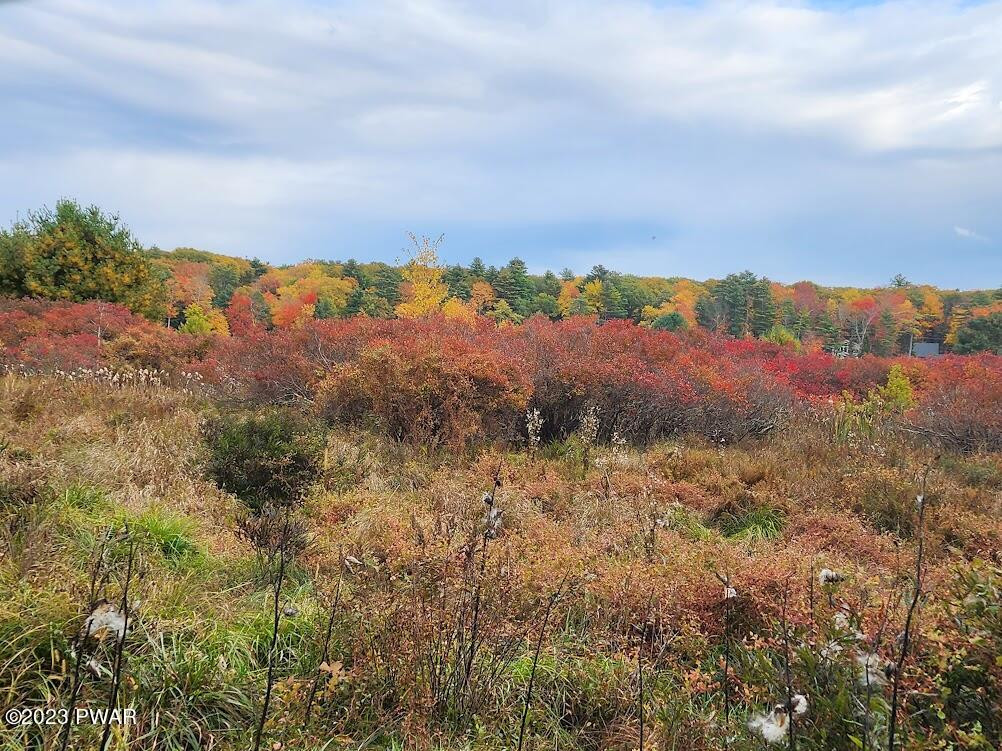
(926, 349)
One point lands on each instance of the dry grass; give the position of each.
(639, 527)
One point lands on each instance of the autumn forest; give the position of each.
(201, 292)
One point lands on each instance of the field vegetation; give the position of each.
(611, 531)
(461, 531)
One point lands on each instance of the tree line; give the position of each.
(78, 253)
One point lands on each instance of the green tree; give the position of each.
(779, 334)
(224, 281)
(744, 304)
(982, 334)
(502, 313)
(258, 268)
(635, 296)
(827, 329)
(899, 281)
(547, 305)
(513, 285)
(709, 313)
(887, 342)
(352, 270)
(196, 321)
(599, 272)
(733, 298)
(580, 307)
(897, 394)
(674, 321)
(458, 280)
(763, 316)
(375, 305)
(77, 254)
(788, 315)
(387, 283)
(477, 269)
(613, 305)
(548, 284)
(324, 308)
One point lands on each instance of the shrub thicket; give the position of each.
(270, 458)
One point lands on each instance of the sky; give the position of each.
(841, 142)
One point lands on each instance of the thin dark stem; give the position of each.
(116, 679)
(810, 591)
(535, 661)
(279, 579)
(77, 645)
(728, 609)
(475, 621)
(877, 638)
(786, 668)
(728, 618)
(327, 644)
(906, 638)
(640, 667)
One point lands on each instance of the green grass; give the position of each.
(757, 524)
(688, 525)
(172, 535)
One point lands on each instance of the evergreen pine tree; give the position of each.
(763, 308)
(549, 284)
(224, 281)
(354, 304)
(477, 269)
(324, 308)
(613, 305)
(387, 282)
(458, 281)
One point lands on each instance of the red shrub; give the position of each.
(436, 383)
(960, 406)
(268, 366)
(447, 381)
(157, 348)
(647, 385)
(46, 335)
(240, 315)
(47, 351)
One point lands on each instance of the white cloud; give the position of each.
(969, 234)
(216, 122)
(880, 78)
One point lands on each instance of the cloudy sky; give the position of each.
(836, 141)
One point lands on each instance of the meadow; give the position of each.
(445, 534)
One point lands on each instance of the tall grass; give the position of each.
(443, 631)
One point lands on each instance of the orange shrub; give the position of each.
(432, 389)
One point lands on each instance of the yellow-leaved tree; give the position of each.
(458, 310)
(482, 297)
(423, 290)
(569, 292)
(593, 294)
